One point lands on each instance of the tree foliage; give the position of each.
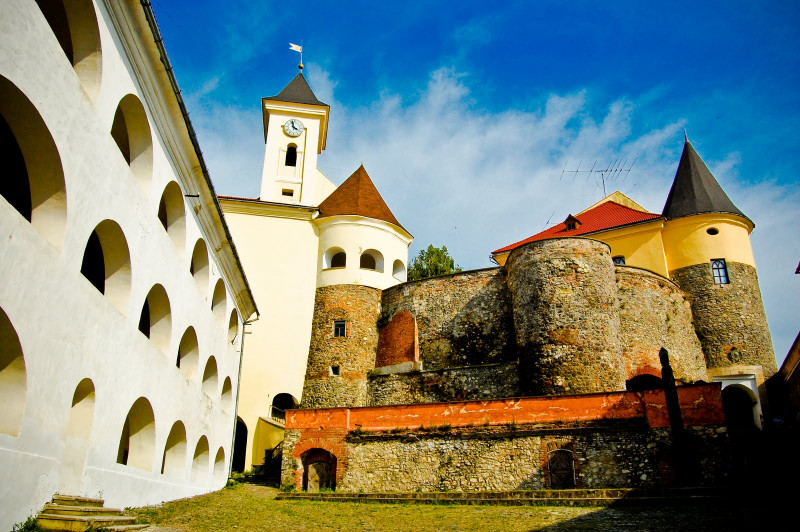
(431, 262)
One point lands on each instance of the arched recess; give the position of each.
(131, 132)
(13, 378)
(334, 258)
(200, 460)
(219, 465)
(75, 26)
(174, 462)
(172, 214)
(280, 404)
(188, 353)
(137, 443)
(644, 382)
(739, 404)
(209, 385)
(76, 442)
(291, 155)
(371, 259)
(218, 300)
(227, 394)
(239, 446)
(233, 326)
(399, 271)
(33, 178)
(155, 321)
(107, 263)
(199, 266)
(319, 470)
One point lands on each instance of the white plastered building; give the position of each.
(122, 297)
(302, 233)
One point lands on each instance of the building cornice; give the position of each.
(254, 207)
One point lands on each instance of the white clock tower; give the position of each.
(295, 131)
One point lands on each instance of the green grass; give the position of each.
(251, 507)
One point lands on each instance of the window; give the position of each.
(339, 329)
(571, 226)
(339, 260)
(712, 231)
(287, 192)
(291, 156)
(334, 371)
(619, 259)
(720, 271)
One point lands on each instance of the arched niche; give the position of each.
(209, 385)
(371, 259)
(219, 465)
(74, 24)
(227, 394)
(218, 300)
(174, 462)
(280, 404)
(644, 382)
(155, 321)
(739, 404)
(172, 214)
(233, 326)
(319, 470)
(107, 263)
(33, 178)
(76, 442)
(13, 378)
(188, 353)
(239, 446)
(138, 440)
(399, 271)
(200, 460)
(199, 266)
(334, 258)
(131, 131)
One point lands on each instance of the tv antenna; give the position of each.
(617, 169)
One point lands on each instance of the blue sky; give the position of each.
(466, 115)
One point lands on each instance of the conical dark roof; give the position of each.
(694, 190)
(357, 196)
(297, 91)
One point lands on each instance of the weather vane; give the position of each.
(298, 48)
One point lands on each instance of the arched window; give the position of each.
(291, 155)
(138, 441)
(227, 394)
(334, 258)
(107, 264)
(619, 260)
(199, 266)
(75, 26)
(280, 404)
(76, 443)
(210, 377)
(339, 260)
(172, 214)
(131, 132)
(720, 271)
(33, 179)
(399, 270)
(239, 446)
(155, 321)
(200, 460)
(233, 326)
(218, 300)
(174, 461)
(371, 259)
(13, 378)
(188, 353)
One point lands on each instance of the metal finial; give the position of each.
(300, 66)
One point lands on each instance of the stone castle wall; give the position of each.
(729, 318)
(566, 317)
(655, 313)
(353, 354)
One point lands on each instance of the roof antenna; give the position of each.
(298, 48)
(616, 169)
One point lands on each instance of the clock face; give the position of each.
(293, 127)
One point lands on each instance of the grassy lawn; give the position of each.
(248, 507)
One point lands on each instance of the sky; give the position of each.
(471, 118)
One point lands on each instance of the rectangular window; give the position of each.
(720, 271)
(619, 259)
(339, 329)
(287, 192)
(334, 371)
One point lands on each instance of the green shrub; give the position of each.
(286, 488)
(30, 525)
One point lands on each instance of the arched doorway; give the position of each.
(239, 446)
(739, 403)
(76, 443)
(319, 470)
(561, 469)
(644, 382)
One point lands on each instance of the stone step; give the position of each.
(123, 528)
(81, 523)
(60, 509)
(74, 500)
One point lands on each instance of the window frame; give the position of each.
(340, 325)
(719, 272)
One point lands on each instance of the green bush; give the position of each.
(286, 488)
(30, 525)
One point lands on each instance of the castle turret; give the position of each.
(707, 246)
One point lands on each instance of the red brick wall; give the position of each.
(398, 341)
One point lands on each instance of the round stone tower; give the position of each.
(344, 340)
(566, 317)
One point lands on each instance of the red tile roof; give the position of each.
(605, 216)
(358, 195)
